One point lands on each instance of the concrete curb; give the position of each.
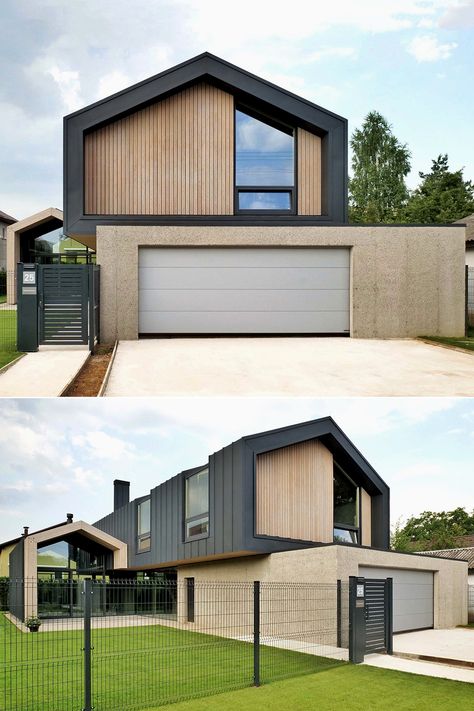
(438, 660)
(61, 394)
(101, 392)
(11, 363)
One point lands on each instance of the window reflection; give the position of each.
(264, 154)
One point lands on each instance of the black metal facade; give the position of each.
(232, 502)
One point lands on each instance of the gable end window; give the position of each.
(196, 505)
(144, 526)
(346, 508)
(264, 165)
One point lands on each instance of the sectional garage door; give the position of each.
(243, 290)
(412, 596)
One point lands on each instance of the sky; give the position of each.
(61, 456)
(412, 60)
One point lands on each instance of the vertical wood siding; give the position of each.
(366, 515)
(294, 492)
(309, 173)
(174, 157)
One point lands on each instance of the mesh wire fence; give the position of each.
(141, 644)
(470, 297)
(8, 314)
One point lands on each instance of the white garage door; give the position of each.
(412, 596)
(243, 290)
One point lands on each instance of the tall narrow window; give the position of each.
(264, 165)
(346, 508)
(196, 505)
(144, 526)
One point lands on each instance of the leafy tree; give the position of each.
(442, 196)
(433, 530)
(380, 164)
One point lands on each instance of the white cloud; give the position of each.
(69, 86)
(99, 444)
(329, 52)
(111, 83)
(427, 48)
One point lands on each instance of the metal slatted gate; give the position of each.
(68, 304)
(378, 602)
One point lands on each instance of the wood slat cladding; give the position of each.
(366, 515)
(309, 173)
(175, 157)
(294, 492)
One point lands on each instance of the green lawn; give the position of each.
(3, 298)
(467, 343)
(8, 350)
(133, 667)
(348, 688)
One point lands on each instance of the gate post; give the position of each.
(356, 619)
(339, 613)
(256, 632)
(27, 309)
(389, 615)
(87, 592)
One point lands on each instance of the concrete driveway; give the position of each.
(455, 644)
(289, 367)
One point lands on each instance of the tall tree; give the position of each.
(433, 530)
(380, 163)
(442, 196)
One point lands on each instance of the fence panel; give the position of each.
(151, 643)
(8, 315)
(470, 296)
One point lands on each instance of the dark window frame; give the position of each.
(291, 189)
(190, 519)
(346, 526)
(143, 536)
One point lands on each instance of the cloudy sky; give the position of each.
(62, 455)
(410, 59)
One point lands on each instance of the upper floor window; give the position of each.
(144, 526)
(346, 508)
(196, 505)
(264, 165)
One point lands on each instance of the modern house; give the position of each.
(5, 221)
(296, 503)
(217, 204)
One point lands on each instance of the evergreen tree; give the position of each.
(380, 163)
(442, 196)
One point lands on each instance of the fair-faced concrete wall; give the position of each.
(405, 281)
(329, 563)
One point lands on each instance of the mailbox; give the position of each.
(27, 309)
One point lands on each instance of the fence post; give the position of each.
(356, 619)
(339, 614)
(87, 592)
(91, 303)
(466, 324)
(256, 632)
(389, 615)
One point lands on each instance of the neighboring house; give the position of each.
(469, 222)
(465, 553)
(299, 503)
(217, 203)
(5, 221)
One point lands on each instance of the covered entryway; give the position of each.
(412, 596)
(239, 290)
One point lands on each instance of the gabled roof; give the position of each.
(466, 554)
(469, 222)
(208, 67)
(7, 218)
(5, 544)
(331, 435)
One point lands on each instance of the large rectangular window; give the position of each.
(144, 526)
(346, 507)
(196, 505)
(264, 165)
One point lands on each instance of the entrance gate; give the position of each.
(64, 299)
(370, 617)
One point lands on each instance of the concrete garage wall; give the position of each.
(328, 563)
(405, 281)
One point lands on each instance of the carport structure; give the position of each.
(23, 601)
